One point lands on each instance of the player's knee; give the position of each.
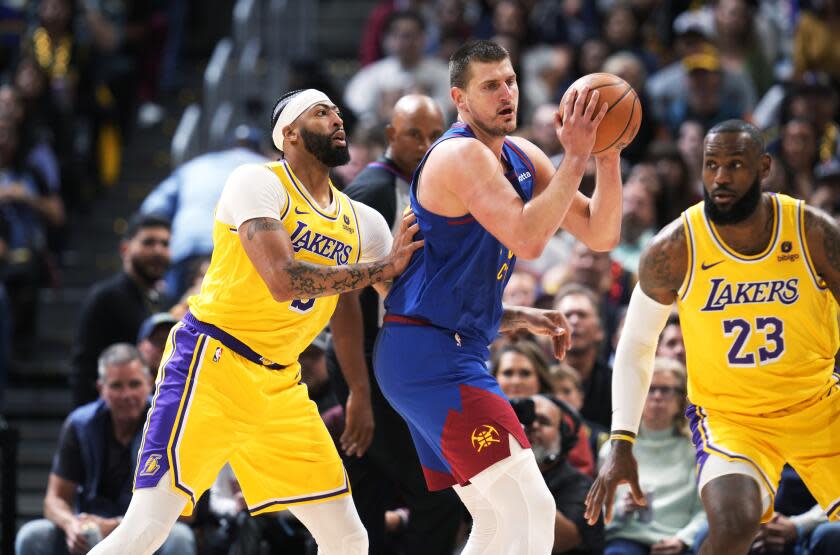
(734, 526)
(349, 541)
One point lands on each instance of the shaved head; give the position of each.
(416, 123)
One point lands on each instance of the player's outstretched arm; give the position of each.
(472, 174)
(661, 272)
(822, 233)
(539, 322)
(269, 248)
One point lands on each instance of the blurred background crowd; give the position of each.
(120, 120)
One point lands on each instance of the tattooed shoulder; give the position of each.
(258, 225)
(823, 234)
(665, 261)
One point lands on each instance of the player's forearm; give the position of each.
(605, 205)
(512, 318)
(302, 280)
(542, 215)
(348, 340)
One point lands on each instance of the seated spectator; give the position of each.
(92, 474)
(677, 186)
(814, 43)
(630, 67)
(151, 340)
(116, 307)
(406, 69)
(27, 206)
(671, 343)
(552, 437)
(674, 513)
(522, 371)
(188, 197)
(827, 187)
(638, 223)
(799, 524)
(521, 290)
(798, 153)
(581, 308)
(567, 387)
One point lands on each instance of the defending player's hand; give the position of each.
(577, 120)
(358, 425)
(619, 468)
(404, 245)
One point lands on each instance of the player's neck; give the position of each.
(493, 142)
(312, 174)
(752, 235)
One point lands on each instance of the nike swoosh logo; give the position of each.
(299, 211)
(705, 266)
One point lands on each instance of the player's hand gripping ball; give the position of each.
(621, 122)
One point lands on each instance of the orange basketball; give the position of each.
(621, 123)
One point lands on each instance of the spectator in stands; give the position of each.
(581, 308)
(116, 307)
(676, 192)
(521, 290)
(705, 100)
(622, 32)
(567, 386)
(630, 67)
(5, 317)
(827, 187)
(815, 45)
(188, 197)
(671, 343)
(405, 69)
(543, 133)
(798, 154)
(545, 72)
(799, 524)
(151, 340)
(638, 223)
(742, 46)
(690, 144)
(668, 85)
(384, 458)
(92, 472)
(521, 368)
(564, 22)
(674, 513)
(552, 437)
(27, 206)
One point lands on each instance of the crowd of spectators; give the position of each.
(75, 67)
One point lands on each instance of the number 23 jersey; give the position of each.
(760, 331)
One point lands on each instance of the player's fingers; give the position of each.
(417, 244)
(636, 491)
(591, 106)
(580, 101)
(569, 106)
(609, 499)
(601, 113)
(593, 502)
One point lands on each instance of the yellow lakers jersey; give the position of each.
(234, 297)
(760, 331)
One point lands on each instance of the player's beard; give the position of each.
(501, 130)
(740, 210)
(322, 148)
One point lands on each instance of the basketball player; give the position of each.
(756, 279)
(286, 243)
(482, 199)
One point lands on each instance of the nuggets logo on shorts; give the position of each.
(484, 436)
(152, 465)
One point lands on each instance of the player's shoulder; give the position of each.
(664, 261)
(822, 231)
(463, 153)
(524, 144)
(252, 174)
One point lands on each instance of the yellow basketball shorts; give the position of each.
(212, 406)
(808, 439)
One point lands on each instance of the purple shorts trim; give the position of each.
(168, 412)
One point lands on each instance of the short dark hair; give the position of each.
(739, 126)
(479, 51)
(409, 15)
(280, 104)
(139, 222)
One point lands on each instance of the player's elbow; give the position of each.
(602, 244)
(528, 250)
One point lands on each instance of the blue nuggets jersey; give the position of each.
(456, 280)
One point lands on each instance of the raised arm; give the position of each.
(661, 272)
(269, 248)
(470, 179)
(823, 235)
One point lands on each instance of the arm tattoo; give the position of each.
(308, 281)
(831, 243)
(262, 224)
(662, 267)
(510, 319)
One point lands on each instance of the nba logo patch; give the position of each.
(152, 465)
(217, 355)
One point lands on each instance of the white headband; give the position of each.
(296, 106)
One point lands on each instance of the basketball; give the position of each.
(621, 122)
